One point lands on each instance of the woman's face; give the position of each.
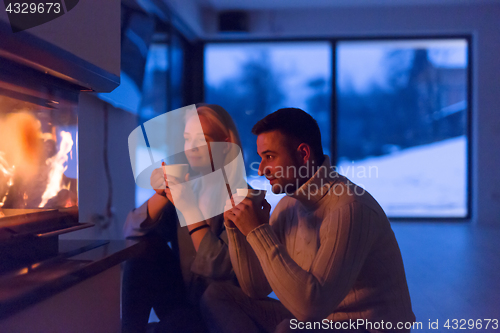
(196, 139)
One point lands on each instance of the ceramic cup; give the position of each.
(177, 170)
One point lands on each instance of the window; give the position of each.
(402, 109)
(400, 115)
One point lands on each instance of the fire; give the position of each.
(8, 172)
(20, 149)
(23, 150)
(20, 144)
(57, 168)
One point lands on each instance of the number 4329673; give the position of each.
(32, 8)
(471, 324)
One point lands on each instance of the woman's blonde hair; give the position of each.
(220, 119)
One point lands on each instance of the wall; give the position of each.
(480, 21)
(93, 186)
(91, 30)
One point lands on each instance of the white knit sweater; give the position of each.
(328, 252)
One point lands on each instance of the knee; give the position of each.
(215, 292)
(218, 293)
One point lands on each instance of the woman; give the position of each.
(180, 262)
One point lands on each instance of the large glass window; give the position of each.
(402, 111)
(252, 80)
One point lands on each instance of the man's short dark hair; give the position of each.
(293, 123)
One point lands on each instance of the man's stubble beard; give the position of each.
(289, 187)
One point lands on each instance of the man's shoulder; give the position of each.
(282, 210)
(349, 193)
(285, 203)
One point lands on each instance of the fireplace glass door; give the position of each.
(38, 152)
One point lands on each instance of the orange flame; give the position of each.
(57, 168)
(20, 144)
(20, 149)
(8, 173)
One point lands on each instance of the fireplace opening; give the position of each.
(38, 154)
(38, 160)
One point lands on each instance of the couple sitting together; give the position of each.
(327, 251)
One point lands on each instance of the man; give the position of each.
(328, 250)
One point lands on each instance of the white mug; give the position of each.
(177, 170)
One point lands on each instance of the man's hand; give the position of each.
(247, 215)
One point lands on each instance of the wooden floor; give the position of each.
(453, 272)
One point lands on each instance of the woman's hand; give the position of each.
(158, 201)
(180, 194)
(158, 181)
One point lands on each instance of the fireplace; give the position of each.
(39, 89)
(38, 164)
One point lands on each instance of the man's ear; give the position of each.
(304, 152)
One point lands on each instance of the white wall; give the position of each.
(93, 187)
(480, 21)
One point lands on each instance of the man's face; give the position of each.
(279, 163)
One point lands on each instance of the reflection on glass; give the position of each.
(402, 123)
